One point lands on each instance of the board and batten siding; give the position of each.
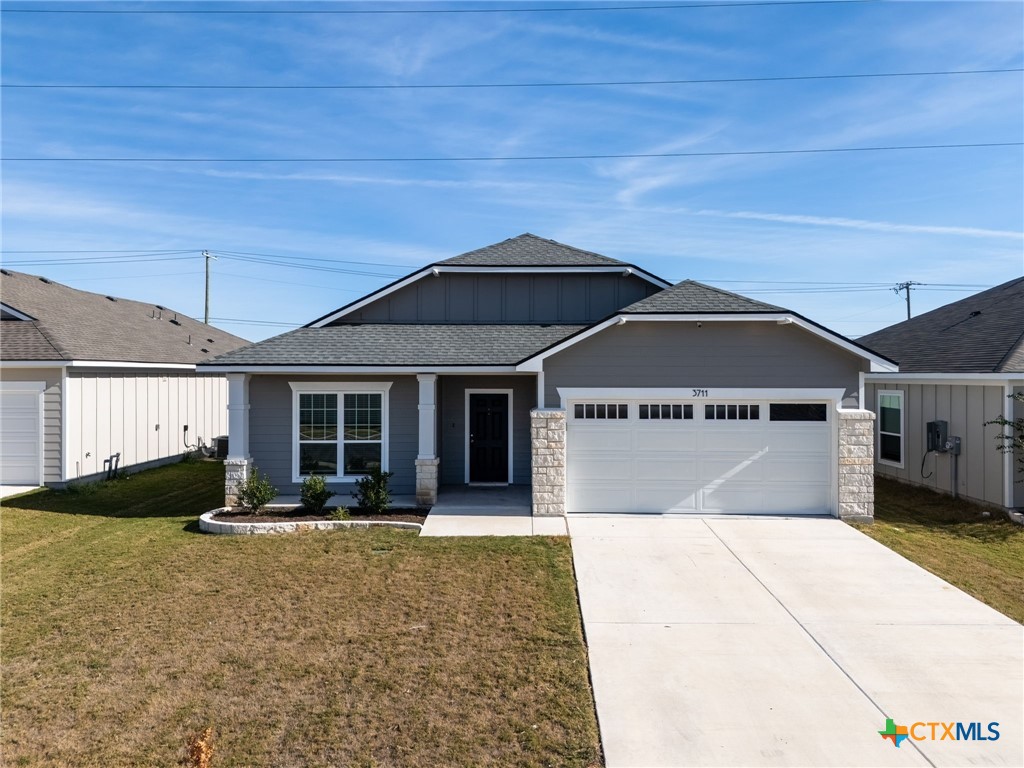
(139, 415)
(506, 298)
(51, 414)
(716, 354)
(1018, 469)
(271, 432)
(452, 443)
(966, 407)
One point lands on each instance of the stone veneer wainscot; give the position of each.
(857, 465)
(547, 441)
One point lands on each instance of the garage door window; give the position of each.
(600, 411)
(797, 412)
(890, 428)
(731, 412)
(668, 411)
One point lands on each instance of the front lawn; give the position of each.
(984, 556)
(125, 631)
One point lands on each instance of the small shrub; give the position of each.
(256, 492)
(372, 492)
(191, 457)
(315, 494)
(341, 513)
(78, 488)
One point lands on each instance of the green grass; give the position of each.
(952, 538)
(125, 631)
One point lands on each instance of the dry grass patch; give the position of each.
(126, 633)
(952, 538)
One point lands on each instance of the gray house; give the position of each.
(959, 364)
(598, 385)
(90, 383)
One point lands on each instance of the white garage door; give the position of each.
(747, 457)
(20, 442)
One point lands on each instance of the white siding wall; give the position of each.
(139, 415)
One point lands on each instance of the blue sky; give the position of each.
(754, 224)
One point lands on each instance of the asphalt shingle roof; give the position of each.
(528, 250)
(77, 325)
(983, 333)
(691, 296)
(378, 344)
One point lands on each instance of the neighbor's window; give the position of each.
(890, 427)
(356, 448)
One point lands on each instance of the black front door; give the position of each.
(488, 438)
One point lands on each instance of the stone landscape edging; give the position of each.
(208, 525)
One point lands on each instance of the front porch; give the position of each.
(488, 511)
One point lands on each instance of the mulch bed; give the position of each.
(409, 515)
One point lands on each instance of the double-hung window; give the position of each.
(890, 427)
(340, 429)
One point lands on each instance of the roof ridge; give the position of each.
(731, 294)
(1017, 345)
(49, 340)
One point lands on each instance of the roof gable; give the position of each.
(69, 324)
(691, 296)
(983, 333)
(528, 250)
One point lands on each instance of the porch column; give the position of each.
(238, 461)
(547, 461)
(426, 460)
(857, 466)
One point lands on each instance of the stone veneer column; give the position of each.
(236, 472)
(547, 461)
(426, 481)
(857, 466)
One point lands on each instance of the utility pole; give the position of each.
(206, 315)
(905, 287)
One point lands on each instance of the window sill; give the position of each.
(894, 464)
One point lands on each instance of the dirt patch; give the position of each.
(300, 515)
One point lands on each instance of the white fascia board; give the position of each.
(993, 379)
(436, 269)
(706, 394)
(114, 364)
(17, 314)
(535, 363)
(360, 369)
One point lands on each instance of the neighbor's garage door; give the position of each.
(20, 443)
(714, 457)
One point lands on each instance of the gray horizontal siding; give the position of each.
(966, 408)
(452, 400)
(271, 430)
(1018, 467)
(506, 298)
(718, 354)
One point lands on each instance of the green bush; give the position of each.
(256, 492)
(341, 513)
(315, 494)
(372, 492)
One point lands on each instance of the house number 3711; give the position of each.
(700, 393)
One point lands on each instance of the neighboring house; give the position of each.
(598, 385)
(958, 364)
(88, 382)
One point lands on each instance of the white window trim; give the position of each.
(903, 428)
(507, 392)
(381, 388)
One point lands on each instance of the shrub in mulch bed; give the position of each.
(299, 514)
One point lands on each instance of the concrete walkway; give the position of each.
(488, 511)
(785, 642)
(7, 491)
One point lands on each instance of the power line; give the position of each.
(435, 11)
(126, 250)
(466, 159)
(426, 86)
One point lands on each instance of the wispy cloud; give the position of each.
(877, 226)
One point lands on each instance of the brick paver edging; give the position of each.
(208, 525)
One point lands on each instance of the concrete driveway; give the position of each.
(771, 641)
